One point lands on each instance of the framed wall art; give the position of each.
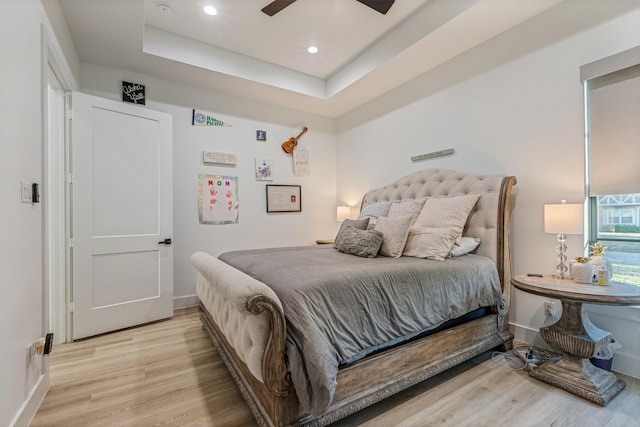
(284, 198)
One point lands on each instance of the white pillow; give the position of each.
(465, 245)
(395, 230)
(430, 243)
(447, 212)
(374, 210)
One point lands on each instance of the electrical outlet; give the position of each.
(549, 308)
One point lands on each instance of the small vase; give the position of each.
(599, 262)
(582, 272)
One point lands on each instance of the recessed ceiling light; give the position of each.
(210, 10)
(312, 49)
(164, 9)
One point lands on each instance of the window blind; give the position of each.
(613, 106)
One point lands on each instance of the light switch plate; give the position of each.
(25, 191)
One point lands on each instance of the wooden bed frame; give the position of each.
(273, 402)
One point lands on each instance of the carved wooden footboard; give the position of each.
(272, 398)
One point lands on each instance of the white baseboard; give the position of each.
(185, 301)
(31, 404)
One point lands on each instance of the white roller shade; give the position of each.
(614, 132)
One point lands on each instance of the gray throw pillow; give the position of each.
(360, 224)
(363, 243)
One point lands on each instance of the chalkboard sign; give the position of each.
(133, 92)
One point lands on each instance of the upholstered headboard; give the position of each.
(489, 220)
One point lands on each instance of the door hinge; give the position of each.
(70, 178)
(68, 115)
(71, 307)
(70, 242)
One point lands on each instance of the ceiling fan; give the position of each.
(381, 6)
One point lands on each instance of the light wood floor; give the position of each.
(169, 374)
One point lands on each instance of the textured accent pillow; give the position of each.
(413, 208)
(447, 212)
(395, 230)
(375, 210)
(363, 243)
(430, 243)
(360, 224)
(466, 245)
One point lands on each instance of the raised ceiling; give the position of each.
(244, 52)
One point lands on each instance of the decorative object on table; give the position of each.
(284, 198)
(291, 143)
(264, 170)
(563, 219)
(582, 270)
(133, 92)
(218, 199)
(601, 263)
(261, 135)
(201, 118)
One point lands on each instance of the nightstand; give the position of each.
(325, 242)
(576, 336)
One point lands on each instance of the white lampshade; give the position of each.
(344, 212)
(563, 218)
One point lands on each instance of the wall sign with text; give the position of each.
(133, 92)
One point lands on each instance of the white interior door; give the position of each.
(121, 215)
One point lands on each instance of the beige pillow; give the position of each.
(447, 212)
(395, 230)
(412, 207)
(430, 243)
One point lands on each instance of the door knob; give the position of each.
(165, 242)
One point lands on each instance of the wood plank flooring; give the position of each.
(168, 374)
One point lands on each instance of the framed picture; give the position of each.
(284, 198)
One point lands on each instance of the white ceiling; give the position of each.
(244, 52)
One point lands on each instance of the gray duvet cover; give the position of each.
(341, 307)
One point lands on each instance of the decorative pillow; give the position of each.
(395, 230)
(413, 208)
(466, 245)
(363, 243)
(360, 224)
(430, 243)
(375, 210)
(447, 212)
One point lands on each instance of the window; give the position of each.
(616, 224)
(612, 129)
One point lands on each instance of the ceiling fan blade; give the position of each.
(381, 6)
(276, 6)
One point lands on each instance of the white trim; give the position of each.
(185, 301)
(30, 406)
(54, 200)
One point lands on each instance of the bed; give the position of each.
(325, 333)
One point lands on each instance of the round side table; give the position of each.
(576, 337)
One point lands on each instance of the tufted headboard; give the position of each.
(489, 220)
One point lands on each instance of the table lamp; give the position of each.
(561, 220)
(344, 212)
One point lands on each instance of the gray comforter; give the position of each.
(340, 307)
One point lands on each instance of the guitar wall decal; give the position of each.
(289, 145)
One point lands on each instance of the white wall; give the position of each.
(21, 237)
(512, 106)
(256, 228)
